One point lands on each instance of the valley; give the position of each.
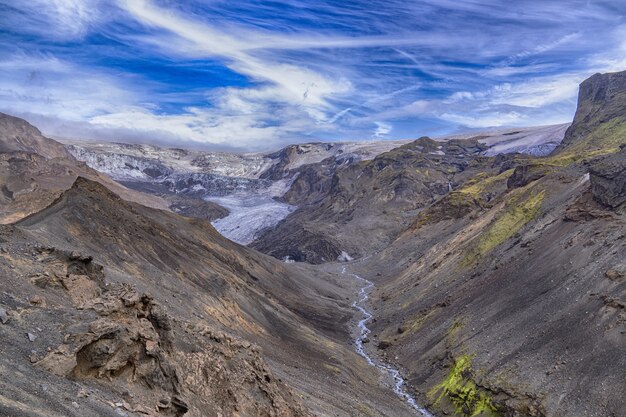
(479, 274)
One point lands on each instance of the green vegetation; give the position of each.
(603, 140)
(482, 183)
(515, 216)
(458, 388)
(463, 201)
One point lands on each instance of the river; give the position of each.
(398, 382)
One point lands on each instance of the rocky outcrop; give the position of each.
(601, 101)
(132, 342)
(122, 340)
(527, 173)
(608, 179)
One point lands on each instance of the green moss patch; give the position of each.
(603, 140)
(459, 203)
(516, 215)
(484, 183)
(461, 391)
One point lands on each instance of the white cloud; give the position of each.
(536, 92)
(294, 84)
(49, 86)
(489, 120)
(60, 19)
(303, 82)
(382, 130)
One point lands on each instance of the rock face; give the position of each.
(608, 179)
(601, 101)
(527, 173)
(133, 339)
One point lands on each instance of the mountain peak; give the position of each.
(601, 100)
(19, 135)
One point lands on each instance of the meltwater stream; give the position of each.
(364, 332)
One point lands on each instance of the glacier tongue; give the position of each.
(249, 214)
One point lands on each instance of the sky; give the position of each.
(251, 75)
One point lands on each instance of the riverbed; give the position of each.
(399, 386)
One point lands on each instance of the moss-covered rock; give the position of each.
(460, 390)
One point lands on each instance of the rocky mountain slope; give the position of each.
(20, 136)
(160, 315)
(506, 296)
(359, 208)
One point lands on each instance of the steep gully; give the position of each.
(363, 332)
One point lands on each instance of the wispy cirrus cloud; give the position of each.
(255, 75)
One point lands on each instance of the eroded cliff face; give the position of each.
(608, 179)
(601, 109)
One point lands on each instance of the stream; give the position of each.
(364, 331)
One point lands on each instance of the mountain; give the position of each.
(360, 207)
(600, 119)
(35, 169)
(499, 280)
(488, 282)
(19, 135)
(261, 189)
(506, 296)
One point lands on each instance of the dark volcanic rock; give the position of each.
(301, 245)
(608, 179)
(601, 98)
(525, 174)
(198, 208)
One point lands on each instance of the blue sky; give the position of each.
(255, 75)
